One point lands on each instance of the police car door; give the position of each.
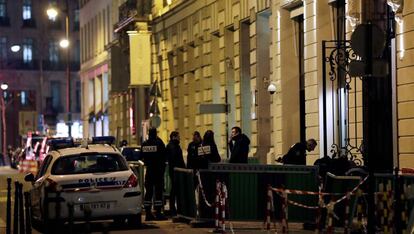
(38, 187)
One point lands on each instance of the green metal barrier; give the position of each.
(247, 186)
(167, 182)
(250, 160)
(186, 202)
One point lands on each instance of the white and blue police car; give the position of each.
(91, 180)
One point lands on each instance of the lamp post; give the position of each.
(52, 12)
(4, 87)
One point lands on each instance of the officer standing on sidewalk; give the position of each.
(175, 159)
(153, 152)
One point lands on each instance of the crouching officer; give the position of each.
(153, 152)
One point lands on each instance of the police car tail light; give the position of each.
(132, 182)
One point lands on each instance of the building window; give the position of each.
(3, 48)
(4, 19)
(27, 50)
(55, 93)
(53, 52)
(3, 8)
(24, 98)
(76, 20)
(27, 9)
(76, 52)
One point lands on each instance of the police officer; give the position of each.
(175, 159)
(297, 153)
(153, 152)
(192, 160)
(208, 152)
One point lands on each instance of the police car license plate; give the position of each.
(96, 206)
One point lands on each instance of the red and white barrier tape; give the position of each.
(346, 222)
(321, 194)
(223, 206)
(301, 192)
(220, 208)
(203, 194)
(217, 206)
(284, 213)
(269, 207)
(330, 208)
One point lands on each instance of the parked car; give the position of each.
(131, 153)
(94, 178)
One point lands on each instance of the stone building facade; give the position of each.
(36, 74)
(230, 51)
(203, 50)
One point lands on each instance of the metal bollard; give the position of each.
(57, 207)
(8, 207)
(46, 211)
(70, 217)
(28, 212)
(21, 209)
(16, 208)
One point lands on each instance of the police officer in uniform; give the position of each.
(297, 153)
(153, 152)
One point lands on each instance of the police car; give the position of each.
(94, 179)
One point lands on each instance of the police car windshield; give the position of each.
(91, 163)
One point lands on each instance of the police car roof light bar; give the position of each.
(61, 143)
(110, 140)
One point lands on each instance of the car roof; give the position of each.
(99, 148)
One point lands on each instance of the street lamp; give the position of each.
(15, 48)
(53, 12)
(4, 86)
(64, 43)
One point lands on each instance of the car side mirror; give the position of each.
(29, 178)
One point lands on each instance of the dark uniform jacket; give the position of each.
(153, 153)
(192, 162)
(209, 153)
(205, 154)
(296, 154)
(174, 155)
(239, 149)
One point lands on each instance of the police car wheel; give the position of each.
(119, 221)
(135, 220)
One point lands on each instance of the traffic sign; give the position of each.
(213, 108)
(359, 42)
(155, 121)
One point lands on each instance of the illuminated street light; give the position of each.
(4, 86)
(64, 43)
(15, 48)
(52, 13)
